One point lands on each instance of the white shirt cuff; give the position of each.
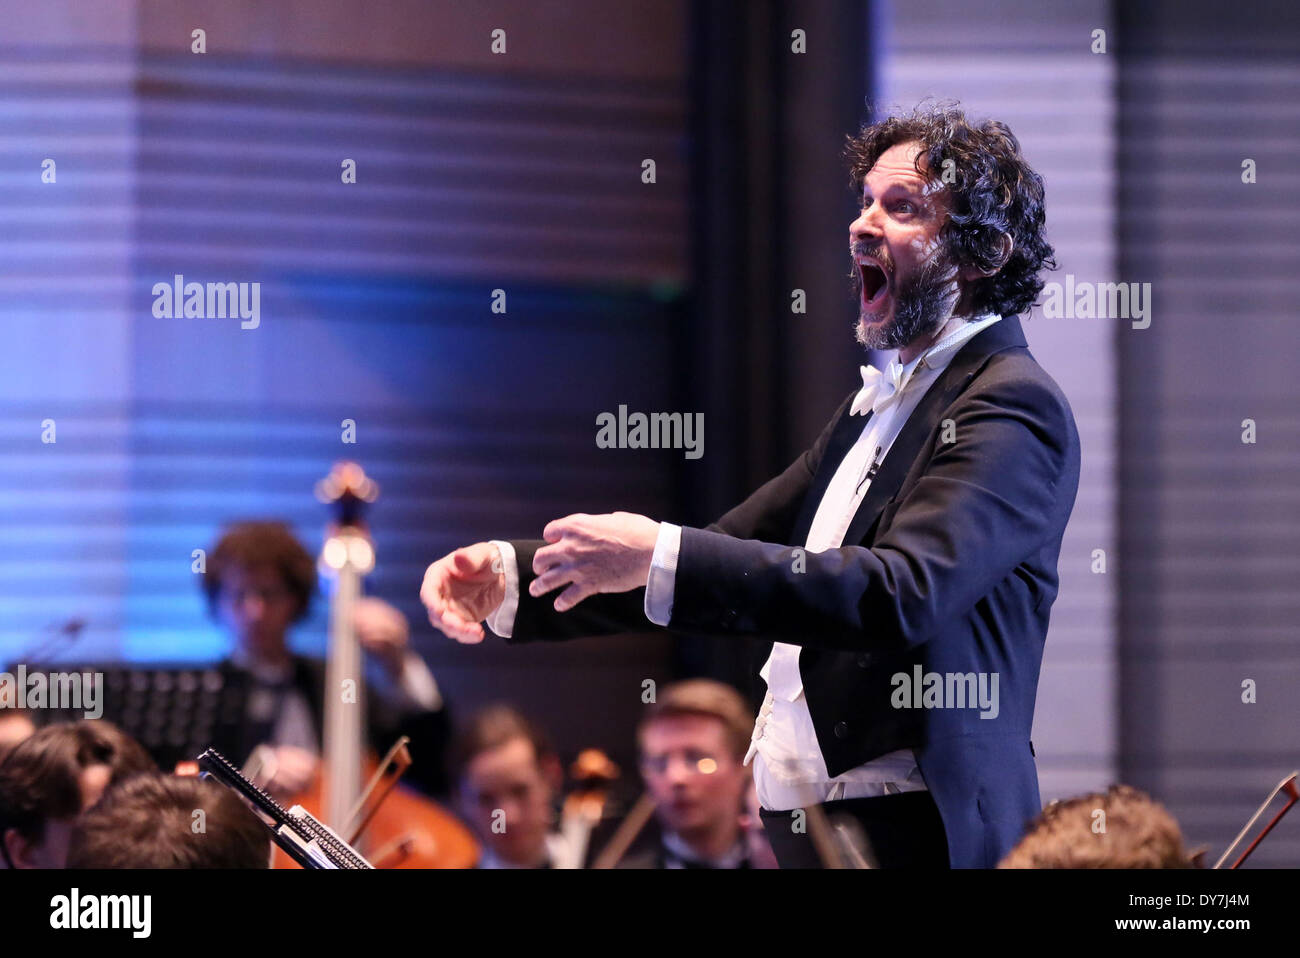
(662, 580)
(502, 621)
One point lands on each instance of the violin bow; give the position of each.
(385, 779)
(626, 833)
(1286, 785)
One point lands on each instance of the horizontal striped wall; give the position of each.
(1031, 66)
(376, 306)
(65, 306)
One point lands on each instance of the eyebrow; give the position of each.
(917, 190)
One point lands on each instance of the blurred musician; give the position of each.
(50, 778)
(259, 581)
(692, 742)
(507, 778)
(1119, 828)
(157, 811)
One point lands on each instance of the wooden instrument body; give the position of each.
(408, 831)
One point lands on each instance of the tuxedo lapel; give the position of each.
(846, 433)
(918, 428)
(920, 425)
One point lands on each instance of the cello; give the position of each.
(395, 828)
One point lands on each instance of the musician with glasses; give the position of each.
(259, 581)
(691, 747)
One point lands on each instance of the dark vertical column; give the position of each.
(730, 339)
(824, 96)
(772, 209)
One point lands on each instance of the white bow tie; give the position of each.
(879, 390)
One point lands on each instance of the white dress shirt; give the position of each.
(789, 770)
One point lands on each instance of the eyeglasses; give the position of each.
(269, 595)
(696, 762)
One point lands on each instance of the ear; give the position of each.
(1006, 248)
(18, 849)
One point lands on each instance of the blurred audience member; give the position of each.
(50, 778)
(692, 744)
(169, 821)
(507, 778)
(1120, 828)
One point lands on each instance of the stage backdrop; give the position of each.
(510, 180)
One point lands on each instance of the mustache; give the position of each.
(876, 251)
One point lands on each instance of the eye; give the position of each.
(904, 206)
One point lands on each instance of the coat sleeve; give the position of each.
(769, 513)
(984, 504)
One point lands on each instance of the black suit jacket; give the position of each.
(385, 723)
(949, 564)
(647, 850)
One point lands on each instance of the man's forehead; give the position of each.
(898, 164)
(682, 728)
(506, 760)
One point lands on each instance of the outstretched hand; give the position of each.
(592, 554)
(463, 588)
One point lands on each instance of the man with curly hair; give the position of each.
(905, 561)
(1118, 828)
(259, 582)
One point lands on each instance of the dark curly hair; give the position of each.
(262, 543)
(992, 192)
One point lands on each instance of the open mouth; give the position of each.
(875, 284)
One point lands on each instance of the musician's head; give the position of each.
(169, 821)
(506, 776)
(259, 580)
(951, 222)
(50, 778)
(1119, 828)
(692, 742)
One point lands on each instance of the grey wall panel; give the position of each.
(1211, 524)
(1030, 66)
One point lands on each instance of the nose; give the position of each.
(866, 226)
(253, 608)
(678, 770)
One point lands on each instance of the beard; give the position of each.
(923, 302)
